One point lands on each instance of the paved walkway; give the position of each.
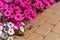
(46, 26)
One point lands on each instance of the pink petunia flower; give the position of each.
(39, 5)
(27, 13)
(1, 24)
(17, 9)
(18, 17)
(52, 1)
(47, 4)
(7, 1)
(7, 13)
(1, 5)
(32, 16)
(17, 24)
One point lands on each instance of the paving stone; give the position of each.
(34, 36)
(57, 28)
(55, 6)
(57, 13)
(18, 38)
(52, 36)
(44, 29)
(28, 32)
(53, 19)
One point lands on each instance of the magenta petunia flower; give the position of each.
(22, 5)
(45, 1)
(47, 4)
(26, 13)
(17, 9)
(7, 1)
(52, 1)
(27, 5)
(17, 1)
(7, 13)
(1, 5)
(17, 24)
(1, 24)
(32, 16)
(14, 21)
(39, 5)
(18, 17)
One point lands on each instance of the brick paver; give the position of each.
(44, 29)
(53, 19)
(18, 38)
(52, 36)
(46, 26)
(34, 36)
(57, 13)
(57, 28)
(55, 7)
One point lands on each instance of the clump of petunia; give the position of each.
(14, 12)
(18, 10)
(8, 29)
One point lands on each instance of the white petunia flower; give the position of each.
(0, 32)
(10, 24)
(10, 38)
(0, 35)
(22, 23)
(4, 35)
(21, 29)
(1, 27)
(6, 29)
(11, 31)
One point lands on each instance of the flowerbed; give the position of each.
(13, 14)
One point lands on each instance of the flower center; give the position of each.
(18, 16)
